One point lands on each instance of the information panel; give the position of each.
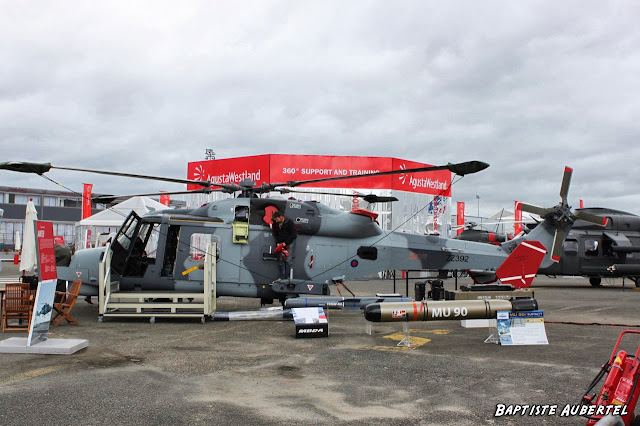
(43, 304)
(522, 328)
(313, 315)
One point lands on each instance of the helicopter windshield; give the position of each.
(123, 243)
(125, 235)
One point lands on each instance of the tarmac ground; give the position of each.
(179, 371)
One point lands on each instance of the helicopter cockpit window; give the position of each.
(152, 241)
(242, 214)
(570, 247)
(199, 244)
(125, 237)
(591, 247)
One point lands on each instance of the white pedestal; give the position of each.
(479, 323)
(18, 345)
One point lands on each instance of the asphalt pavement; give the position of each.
(179, 371)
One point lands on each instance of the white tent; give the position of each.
(113, 217)
(507, 216)
(505, 219)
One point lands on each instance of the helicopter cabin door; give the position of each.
(124, 242)
(198, 239)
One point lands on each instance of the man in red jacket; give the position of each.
(285, 233)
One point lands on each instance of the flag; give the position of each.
(86, 200)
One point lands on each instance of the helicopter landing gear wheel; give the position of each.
(100, 319)
(595, 281)
(203, 319)
(152, 320)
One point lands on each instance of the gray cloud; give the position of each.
(529, 87)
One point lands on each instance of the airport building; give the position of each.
(63, 209)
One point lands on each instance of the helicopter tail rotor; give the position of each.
(592, 218)
(564, 188)
(561, 215)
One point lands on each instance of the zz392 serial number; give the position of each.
(457, 258)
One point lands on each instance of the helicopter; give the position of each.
(470, 233)
(598, 253)
(589, 250)
(332, 245)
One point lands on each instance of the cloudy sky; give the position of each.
(147, 86)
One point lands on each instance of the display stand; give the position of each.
(406, 340)
(368, 328)
(18, 345)
(493, 338)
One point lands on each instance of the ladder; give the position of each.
(153, 304)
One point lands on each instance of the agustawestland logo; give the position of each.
(232, 177)
(427, 183)
(402, 178)
(421, 183)
(199, 174)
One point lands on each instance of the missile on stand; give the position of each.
(445, 310)
(347, 303)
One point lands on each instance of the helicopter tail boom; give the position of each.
(519, 269)
(522, 265)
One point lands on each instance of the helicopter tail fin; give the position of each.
(521, 267)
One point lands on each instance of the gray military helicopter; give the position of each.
(332, 245)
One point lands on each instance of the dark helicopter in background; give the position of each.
(590, 250)
(332, 245)
(472, 232)
(596, 252)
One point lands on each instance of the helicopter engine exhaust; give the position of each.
(445, 310)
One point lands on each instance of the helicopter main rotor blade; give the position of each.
(503, 222)
(566, 181)
(540, 211)
(370, 198)
(138, 176)
(41, 168)
(111, 198)
(592, 218)
(556, 250)
(460, 169)
(25, 167)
